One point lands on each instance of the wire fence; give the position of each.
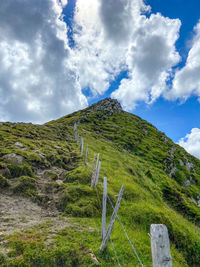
(98, 197)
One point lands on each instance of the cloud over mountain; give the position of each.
(42, 78)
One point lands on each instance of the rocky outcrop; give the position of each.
(14, 159)
(108, 104)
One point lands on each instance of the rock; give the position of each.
(164, 139)
(1, 123)
(58, 147)
(189, 166)
(181, 162)
(93, 257)
(172, 150)
(14, 159)
(59, 182)
(18, 144)
(187, 183)
(42, 156)
(172, 172)
(108, 104)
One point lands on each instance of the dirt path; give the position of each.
(18, 213)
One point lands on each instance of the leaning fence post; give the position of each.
(160, 246)
(103, 229)
(112, 220)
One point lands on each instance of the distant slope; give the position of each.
(162, 185)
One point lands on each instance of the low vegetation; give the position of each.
(161, 186)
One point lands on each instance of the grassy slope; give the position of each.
(133, 153)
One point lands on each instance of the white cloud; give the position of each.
(191, 142)
(187, 80)
(97, 61)
(38, 82)
(112, 36)
(151, 56)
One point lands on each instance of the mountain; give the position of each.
(50, 215)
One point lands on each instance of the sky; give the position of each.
(59, 56)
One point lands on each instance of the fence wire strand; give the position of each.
(135, 252)
(112, 243)
(115, 252)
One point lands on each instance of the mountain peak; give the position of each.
(107, 104)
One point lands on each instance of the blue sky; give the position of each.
(59, 56)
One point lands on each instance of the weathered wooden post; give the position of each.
(97, 173)
(81, 145)
(86, 151)
(93, 171)
(160, 246)
(75, 126)
(112, 220)
(103, 227)
(97, 163)
(76, 137)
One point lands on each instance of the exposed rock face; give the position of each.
(108, 104)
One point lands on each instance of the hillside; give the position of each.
(50, 215)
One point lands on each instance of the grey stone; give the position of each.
(172, 172)
(107, 104)
(18, 144)
(59, 182)
(42, 156)
(189, 166)
(187, 183)
(181, 162)
(14, 159)
(172, 150)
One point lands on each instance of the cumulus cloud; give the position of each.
(94, 56)
(187, 80)
(150, 58)
(38, 82)
(191, 142)
(112, 36)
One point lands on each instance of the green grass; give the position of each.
(133, 153)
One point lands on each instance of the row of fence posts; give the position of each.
(160, 244)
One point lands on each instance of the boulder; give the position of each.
(14, 159)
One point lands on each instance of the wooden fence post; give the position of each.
(103, 228)
(97, 163)
(93, 171)
(97, 173)
(112, 220)
(160, 246)
(77, 138)
(86, 151)
(75, 126)
(81, 145)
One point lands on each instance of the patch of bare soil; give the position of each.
(18, 213)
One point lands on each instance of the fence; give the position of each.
(160, 245)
